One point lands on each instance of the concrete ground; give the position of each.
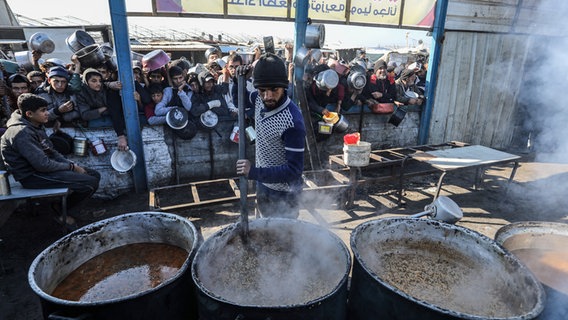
(538, 193)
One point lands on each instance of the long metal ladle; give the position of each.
(443, 209)
(243, 181)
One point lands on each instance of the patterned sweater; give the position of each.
(279, 145)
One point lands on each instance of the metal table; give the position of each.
(471, 157)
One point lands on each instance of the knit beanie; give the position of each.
(380, 64)
(270, 71)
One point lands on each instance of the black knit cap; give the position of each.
(270, 71)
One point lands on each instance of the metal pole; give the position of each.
(243, 181)
(300, 25)
(130, 109)
(433, 64)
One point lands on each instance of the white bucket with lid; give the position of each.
(357, 155)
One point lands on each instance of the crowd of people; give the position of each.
(74, 95)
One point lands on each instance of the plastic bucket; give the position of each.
(324, 127)
(357, 155)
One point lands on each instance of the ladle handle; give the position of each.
(243, 182)
(429, 211)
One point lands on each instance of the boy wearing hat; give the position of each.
(280, 140)
(60, 99)
(29, 155)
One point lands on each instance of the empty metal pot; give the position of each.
(315, 36)
(79, 40)
(417, 269)
(41, 42)
(90, 56)
(173, 298)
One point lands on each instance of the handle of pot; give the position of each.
(57, 316)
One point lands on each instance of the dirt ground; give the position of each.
(538, 193)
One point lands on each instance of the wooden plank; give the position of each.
(194, 193)
(235, 188)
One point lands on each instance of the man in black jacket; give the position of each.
(29, 155)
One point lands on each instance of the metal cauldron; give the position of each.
(425, 269)
(173, 298)
(542, 247)
(288, 269)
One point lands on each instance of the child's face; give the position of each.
(157, 97)
(95, 82)
(40, 116)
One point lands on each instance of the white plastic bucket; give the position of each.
(357, 155)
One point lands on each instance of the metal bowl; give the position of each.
(123, 161)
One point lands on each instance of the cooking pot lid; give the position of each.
(177, 118)
(123, 161)
(209, 119)
(327, 79)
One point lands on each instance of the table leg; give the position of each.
(353, 186)
(64, 210)
(439, 187)
(401, 180)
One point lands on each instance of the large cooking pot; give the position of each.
(90, 56)
(288, 269)
(409, 269)
(41, 42)
(541, 246)
(315, 36)
(79, 40)
(144, 295)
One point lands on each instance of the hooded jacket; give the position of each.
(89, 100)
(26, 149)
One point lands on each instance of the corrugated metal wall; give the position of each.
(483, 56)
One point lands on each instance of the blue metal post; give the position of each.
(433, 64)
(300, 25)
(124, 60)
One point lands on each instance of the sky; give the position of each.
(97, 11)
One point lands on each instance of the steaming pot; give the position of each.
(426, 269)
(288, 269)
(542, 247)
(174, 298)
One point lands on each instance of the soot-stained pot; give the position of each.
(398, 115)
(90, 56)
(418, 269)
(315, 36)
(541, 245)
(173, 298)
(288, 269)
(78, 40)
